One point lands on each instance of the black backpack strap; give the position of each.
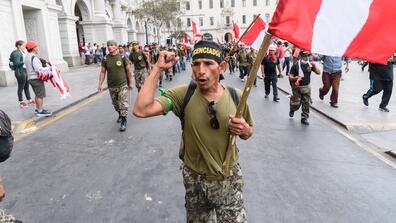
(187, 97)
(234, 95)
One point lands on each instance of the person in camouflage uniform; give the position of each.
(208, 120)
(251, 57)
(300, 85)
(119, 81)
(141, 64)
(243, 63)
(154, 54)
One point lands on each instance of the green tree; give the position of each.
(159, 12)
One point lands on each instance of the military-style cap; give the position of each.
(112, 42)
(135, 43)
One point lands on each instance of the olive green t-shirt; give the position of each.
(205, 148)
(115, 67)
(138, 59)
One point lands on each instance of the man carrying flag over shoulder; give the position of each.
(206, 120)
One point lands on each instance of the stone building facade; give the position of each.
(59, 25)
(217, 16)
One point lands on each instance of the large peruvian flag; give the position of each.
(255, 35)
(363, 29)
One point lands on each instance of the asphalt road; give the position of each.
(82, 169)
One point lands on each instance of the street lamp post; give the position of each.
(145, 27)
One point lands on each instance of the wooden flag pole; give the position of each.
(241, 107)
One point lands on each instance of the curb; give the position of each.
(19, 128)
(320, 112)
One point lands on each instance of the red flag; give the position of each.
(355, 28)
(236, 30)
(255, 36)
(196, 32)
(186, 43)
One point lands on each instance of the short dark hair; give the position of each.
(19, 43)
(29, 50)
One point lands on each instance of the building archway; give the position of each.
(81, 11)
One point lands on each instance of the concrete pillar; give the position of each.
(11, 15)
(53, 38)
(100, 9)
(67, 29)
(119, 24)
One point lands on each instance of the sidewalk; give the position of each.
(375, 126)
(83, 82)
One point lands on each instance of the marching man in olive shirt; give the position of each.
(119, 81)
(208, 120)
(141, 64)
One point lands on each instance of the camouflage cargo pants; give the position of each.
(140, 77)
(301, 97)
(119, 98)
(214, 201)
(5, 218)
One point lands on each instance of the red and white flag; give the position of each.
(235, 28)
(255, 35)
(363, 29)
(186, 42)
(196, 32)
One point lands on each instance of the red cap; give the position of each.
(31, 45)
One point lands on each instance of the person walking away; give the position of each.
(140, 63)
(18, 66)
(280, 53)
(331, 76)
(243, 63)
(269, 66)
(33, 65)
(119, 81)
(208, 120)
(381, 79)
(288, 54)
(300, 79)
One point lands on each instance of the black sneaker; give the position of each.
(320, 95)
(384, 109)
(276, 99)
(44, 113)
(365, 101)
(119, 119)
(266, 96)
(334, 105)
(123, 124)
(304, 121)
(291, 114)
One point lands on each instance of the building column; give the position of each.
(67, 29)
(99, 30)
(119, 26)
(100, 9)
(53, 38)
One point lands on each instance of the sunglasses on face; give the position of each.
(214, 123)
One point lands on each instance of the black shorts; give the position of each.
(38, 88)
